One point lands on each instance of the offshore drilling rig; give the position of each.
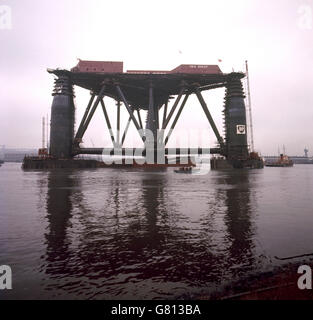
(151, 91)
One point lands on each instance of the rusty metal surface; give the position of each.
(98, 66)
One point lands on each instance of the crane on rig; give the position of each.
(248, 102)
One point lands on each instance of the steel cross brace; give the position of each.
(108, 122)
(84, 127)
(209, 117)
(130, 111)
(176, 118)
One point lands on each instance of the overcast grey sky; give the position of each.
(275, 36)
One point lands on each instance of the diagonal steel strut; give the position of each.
(107, 121)
(209, 117)
(164, 113)
(79, 130)
(176, 118)
(118, 122)
(173, 108)
(125, 132)
(139, 118)
(92, 111)
(130, 111)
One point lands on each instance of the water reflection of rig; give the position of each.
(150, 91)
(131, 233)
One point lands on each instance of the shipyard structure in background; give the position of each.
(148, 90)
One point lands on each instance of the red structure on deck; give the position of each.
(117, 67)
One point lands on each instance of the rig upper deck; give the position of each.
(92, 75)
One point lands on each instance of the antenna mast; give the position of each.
(249, 109)
(47, 132)
(43, 132)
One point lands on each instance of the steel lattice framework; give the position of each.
(149, 91)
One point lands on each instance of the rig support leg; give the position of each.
(235, 122)
(62, 119)
(152, 121)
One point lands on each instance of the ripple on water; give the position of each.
(118, 234)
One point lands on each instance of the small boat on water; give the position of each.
(283, 161)
(185, 170)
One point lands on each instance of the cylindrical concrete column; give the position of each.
(62, 119)
(235, 121)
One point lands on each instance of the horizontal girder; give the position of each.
(132, 151)
(136, 86)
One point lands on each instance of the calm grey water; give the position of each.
(135, 234)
